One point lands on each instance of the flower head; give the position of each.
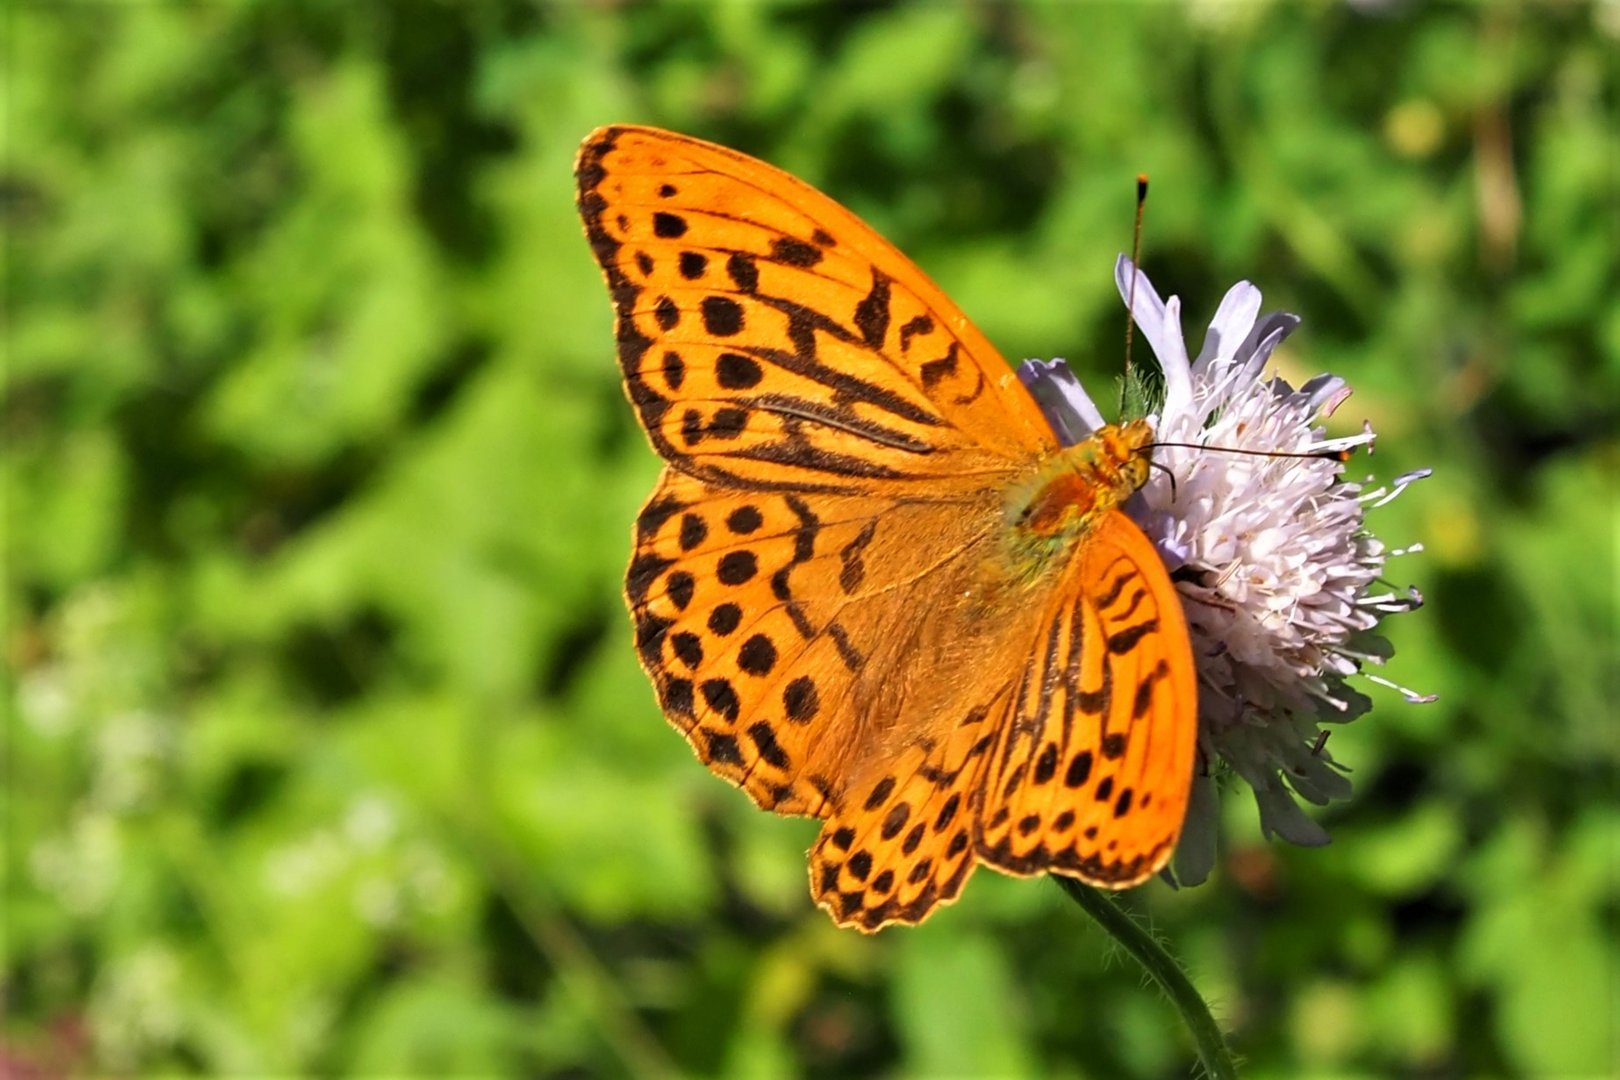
(1279, 577)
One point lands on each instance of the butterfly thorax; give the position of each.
(1073, 489)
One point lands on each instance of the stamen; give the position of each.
(1398, 485)
(1412, 696)
(1349, 442)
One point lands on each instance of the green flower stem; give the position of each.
(1163, 969)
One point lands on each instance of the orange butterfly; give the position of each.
(871, 586)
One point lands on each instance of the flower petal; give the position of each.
(1065, 403)
(1230, 327)
(1267, 334)
(1160, 321)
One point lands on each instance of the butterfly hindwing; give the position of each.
(753, 612)
(1070, 751)
(1093, 770)
(902, 844)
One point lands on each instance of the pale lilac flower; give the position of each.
(1279, 577)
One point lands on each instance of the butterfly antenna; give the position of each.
(1136, 261)
(1341, 455)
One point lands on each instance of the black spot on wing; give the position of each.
(724, 619)
(680, 587)
(727, 423)
(800, 700)
(692, 265)
(736, 372)
(722, 316)
(1144, 689)
(674, 369)
(1046, 764)
(720, 697)
(1079, 770)
(688, 647)
(693, 531)
(742, 271)
(880, 793)
(764, 740)
(853, 570)
(723, 747)
(895, 820)
(737, 567)
(917, 324)
(872, 313)
(935, 370)
(794, 252)
(666, 313)
(757, 656)
(744, 520)
(1127, 639)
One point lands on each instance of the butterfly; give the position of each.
(871, 585)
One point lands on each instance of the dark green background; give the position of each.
(327, 750)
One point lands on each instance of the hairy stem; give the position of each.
(1163, 969)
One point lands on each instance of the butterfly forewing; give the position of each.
(769, 338)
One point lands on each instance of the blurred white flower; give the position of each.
(378, 901)
(1279, 577)
(132, 749)
(371, 821)
(136, 1006)
(44, 701)
(429, 879)
(82, 866)
(302, 867)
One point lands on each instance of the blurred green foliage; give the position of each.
(326, 748)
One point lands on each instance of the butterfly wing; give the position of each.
(1093, 769)
(770, 339)
(1071, 752)
(780, 628)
